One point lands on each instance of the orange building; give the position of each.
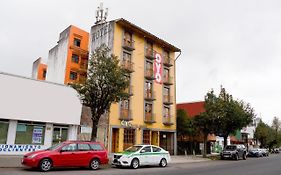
(39, 70)
(68, 60)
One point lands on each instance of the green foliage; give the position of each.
(184, 123)
(106, 83)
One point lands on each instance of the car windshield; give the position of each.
(54, 147)
(230, 148)
(133, 148)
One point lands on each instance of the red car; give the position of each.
(68, 154)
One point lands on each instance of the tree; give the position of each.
(233, 115)
(106, 83)
(205, 122)
(264, 134)
(276, 127)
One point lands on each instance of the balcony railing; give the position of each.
(128, 65)
(149, 117)
(167, 61)
(80, 51)
(128, 44)
(125, 114)
(150, 53)
(149, 95)
(168, 120)
(168, 80)
(129, 90)
(167, 99)
(149, 74)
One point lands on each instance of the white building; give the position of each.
(36, 114)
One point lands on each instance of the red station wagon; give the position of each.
(68, 154)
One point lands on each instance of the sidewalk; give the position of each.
(15, 161)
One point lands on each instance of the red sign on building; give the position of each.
(158, 68)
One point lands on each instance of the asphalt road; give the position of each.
(252, 166)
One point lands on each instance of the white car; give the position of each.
(141, 155)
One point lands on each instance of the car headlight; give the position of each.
(32, 156)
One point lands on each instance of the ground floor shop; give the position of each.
(121, 138)
(19, 137)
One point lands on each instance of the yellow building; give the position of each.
(149, 116)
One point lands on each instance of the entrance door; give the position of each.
(115, 140)
(154, 138)
(167, 141)
(59, 134)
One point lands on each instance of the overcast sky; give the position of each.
(234, 43)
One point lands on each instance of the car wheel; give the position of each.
(235, 157)
(244, 157)
(135, 163)
(222, 158)
(163, 162)
(45, 165)
(95, 164)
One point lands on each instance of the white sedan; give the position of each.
(142, 155)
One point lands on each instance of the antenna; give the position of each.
(101, 15)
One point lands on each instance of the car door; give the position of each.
(157, 155)
(83, 154)
(66, 156)
(146, 156)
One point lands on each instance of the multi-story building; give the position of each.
(149, 115)
(68, 60)
(39, 70)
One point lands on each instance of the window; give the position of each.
(148, 108)
(73, 75)
(149, 65)
(83, 147)
(166, 74)
(70, 147)
(77, 42)
(126, 57)
(128, 37)
(147, 149)
(96, 147)
(166, 112)
(44, 73)
(4, 125)
(155, 149)
(166, 91)
(146, 137)
(125, 104)
(75, 58)
(129, 138)
(30, 133)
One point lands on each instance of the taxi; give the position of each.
(142, 155)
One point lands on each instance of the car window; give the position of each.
(230, 147)
(133, 148)
(70, 147)
(96, 147)
(147, 149)
(155, 149)
(83, 147)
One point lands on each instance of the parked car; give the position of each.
(68, 154)
(234, 152)
(255, 153)
(264, 152)
(141, 155)
(275, 150)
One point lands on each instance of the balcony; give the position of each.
(149, 74)
(129, 90)
(150, 53)
(149, 95)
(128, 44)
(167, 99)
(168, 80)
(127, 65)
(167, 61)
(79, 51)
(125, 114)
(167, 120)
(149, 118)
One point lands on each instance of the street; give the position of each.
(252, 166)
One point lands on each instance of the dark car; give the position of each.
(234, 152)
(68, 154)
(255, 153)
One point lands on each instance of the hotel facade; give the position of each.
(149, 115)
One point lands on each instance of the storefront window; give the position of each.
(4, 125)
(59, 134)
(30, 133)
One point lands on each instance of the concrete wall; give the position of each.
(32, 100)
(57, 59)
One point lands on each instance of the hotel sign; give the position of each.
(158, 68)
